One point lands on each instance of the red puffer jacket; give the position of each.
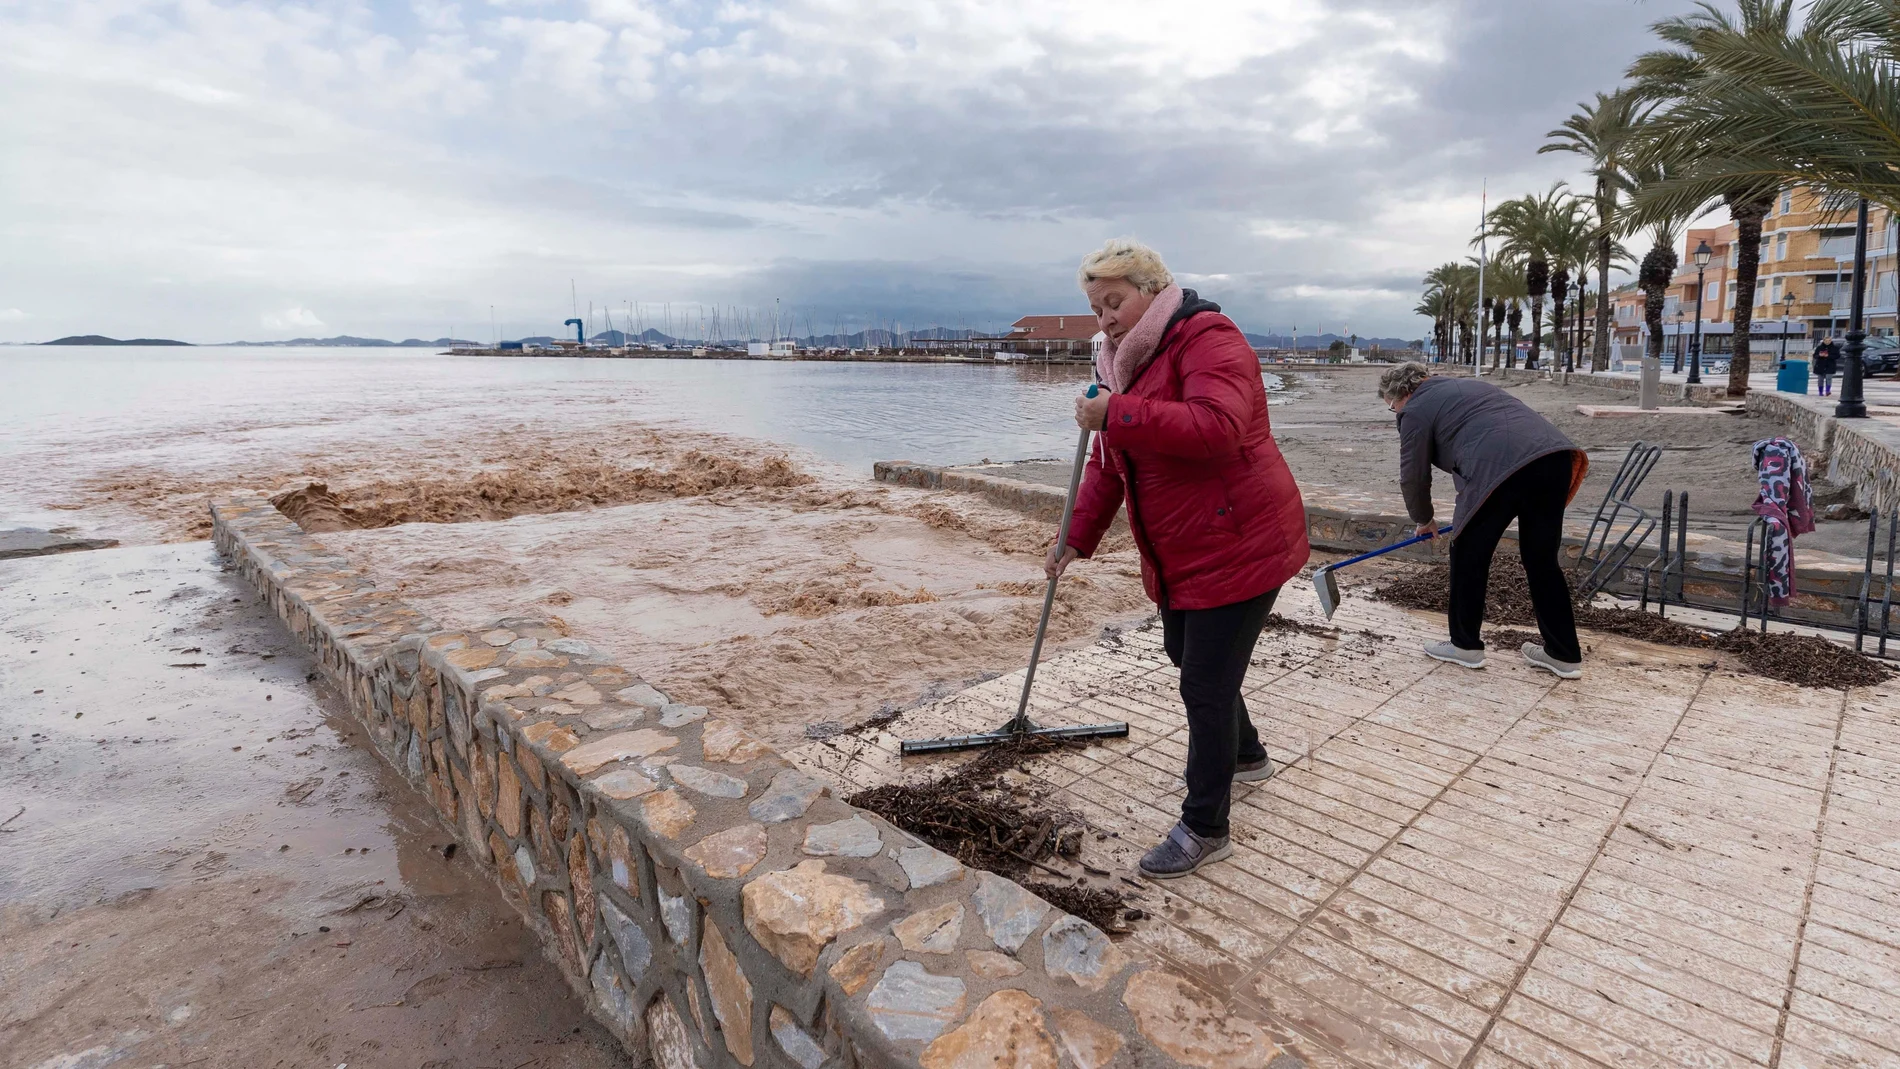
(1214, 508)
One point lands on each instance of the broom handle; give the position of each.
(1414, 540)
(1021, 720)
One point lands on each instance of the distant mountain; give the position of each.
(349, 341)
(1319, 341)
(100, 339)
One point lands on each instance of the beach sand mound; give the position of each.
(546, 483)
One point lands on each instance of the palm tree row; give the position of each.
(1733, 107)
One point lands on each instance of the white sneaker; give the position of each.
(1450, 654)
(1538, 657)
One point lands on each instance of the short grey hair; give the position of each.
(1128, 259)
(1400, 381)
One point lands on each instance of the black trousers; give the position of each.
(1211, 647)
(1535, 497)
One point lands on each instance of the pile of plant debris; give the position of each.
(1806, 660)
(975, 815)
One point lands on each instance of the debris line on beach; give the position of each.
(1805, 660)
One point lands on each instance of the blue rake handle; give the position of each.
(1412, 541)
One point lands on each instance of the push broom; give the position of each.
(1020, 726)
(1328, 589)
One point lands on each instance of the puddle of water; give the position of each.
(193, 820)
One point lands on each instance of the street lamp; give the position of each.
(1701, 255)
(1852, 404)
(1787, 308)
(1676, 348)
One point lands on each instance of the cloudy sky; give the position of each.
(221, 169)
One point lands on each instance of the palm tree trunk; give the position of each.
(1600, 352)
(1537, 332)
(1748, 216)
(1559, 332)
(1653, 296)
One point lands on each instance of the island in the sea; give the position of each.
(100, 339)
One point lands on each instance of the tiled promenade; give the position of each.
(1664, 864)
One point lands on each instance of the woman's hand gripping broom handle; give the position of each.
(1021, 721)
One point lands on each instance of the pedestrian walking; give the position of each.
(1827, 364)
(1185, 443)
(1507, 463)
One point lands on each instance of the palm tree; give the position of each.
(1602, 132)
(1729, 91)
(1517, 325)
(1504, 287)
(1570, 240)
(1527, 226)
(1659, 264)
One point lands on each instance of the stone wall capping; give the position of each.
(712, 904)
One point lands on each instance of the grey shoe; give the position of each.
(1181, 853)
(1450, 654)
(1255, 771)
(1536, 655)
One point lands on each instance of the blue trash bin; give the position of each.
(1793, 377)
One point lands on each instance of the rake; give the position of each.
(1328, 589)
(1020, 726)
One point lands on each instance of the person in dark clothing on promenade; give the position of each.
(1827, 364)
(1218, 520)
(1507, 463)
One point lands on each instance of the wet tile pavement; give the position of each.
(1663, 864)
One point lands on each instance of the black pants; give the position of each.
(1535, 498)
(1211, 647)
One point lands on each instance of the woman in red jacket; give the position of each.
(1215, 513)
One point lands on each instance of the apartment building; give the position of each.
(1807, 249)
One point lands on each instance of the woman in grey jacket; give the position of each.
(1507, 463)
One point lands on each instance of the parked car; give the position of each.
(1881, 355)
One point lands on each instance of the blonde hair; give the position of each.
(1400, 381)
(1129, 259)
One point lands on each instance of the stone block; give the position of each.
(666, 814)
(797, 1044)
(726, 743)
(676, 915)
(625, 746)
(852, 837)
(620, 865)
(542, 840)
(707, 782)
(624, 783)
(560, 915)
(993, 966)
(553, 736)
(612, 995)
(580, 881)
(730, 990)
(1004, 1032)
(926, 866)
(910, 1003)
(855, 967)
(1091, 1044)
(732, 853)
(1009, 913)
(793, 914)
(671, 1046)
(636, 951)
(673, 716)
(790, 793)
(932, 931)
(1073, 948)
(508, 798)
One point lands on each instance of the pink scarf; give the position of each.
(1119, 364)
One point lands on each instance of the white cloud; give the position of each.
(291, 319)
(12, 315)
(403, 165)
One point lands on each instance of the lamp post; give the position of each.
(1787, 307)
(1852, 404)
(1676, 348)
(1701, 254)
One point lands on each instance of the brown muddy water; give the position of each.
(204, 867)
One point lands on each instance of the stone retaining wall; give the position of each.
(710, 902)
(1827, 587)
(1702, 394)
(1863, 453)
